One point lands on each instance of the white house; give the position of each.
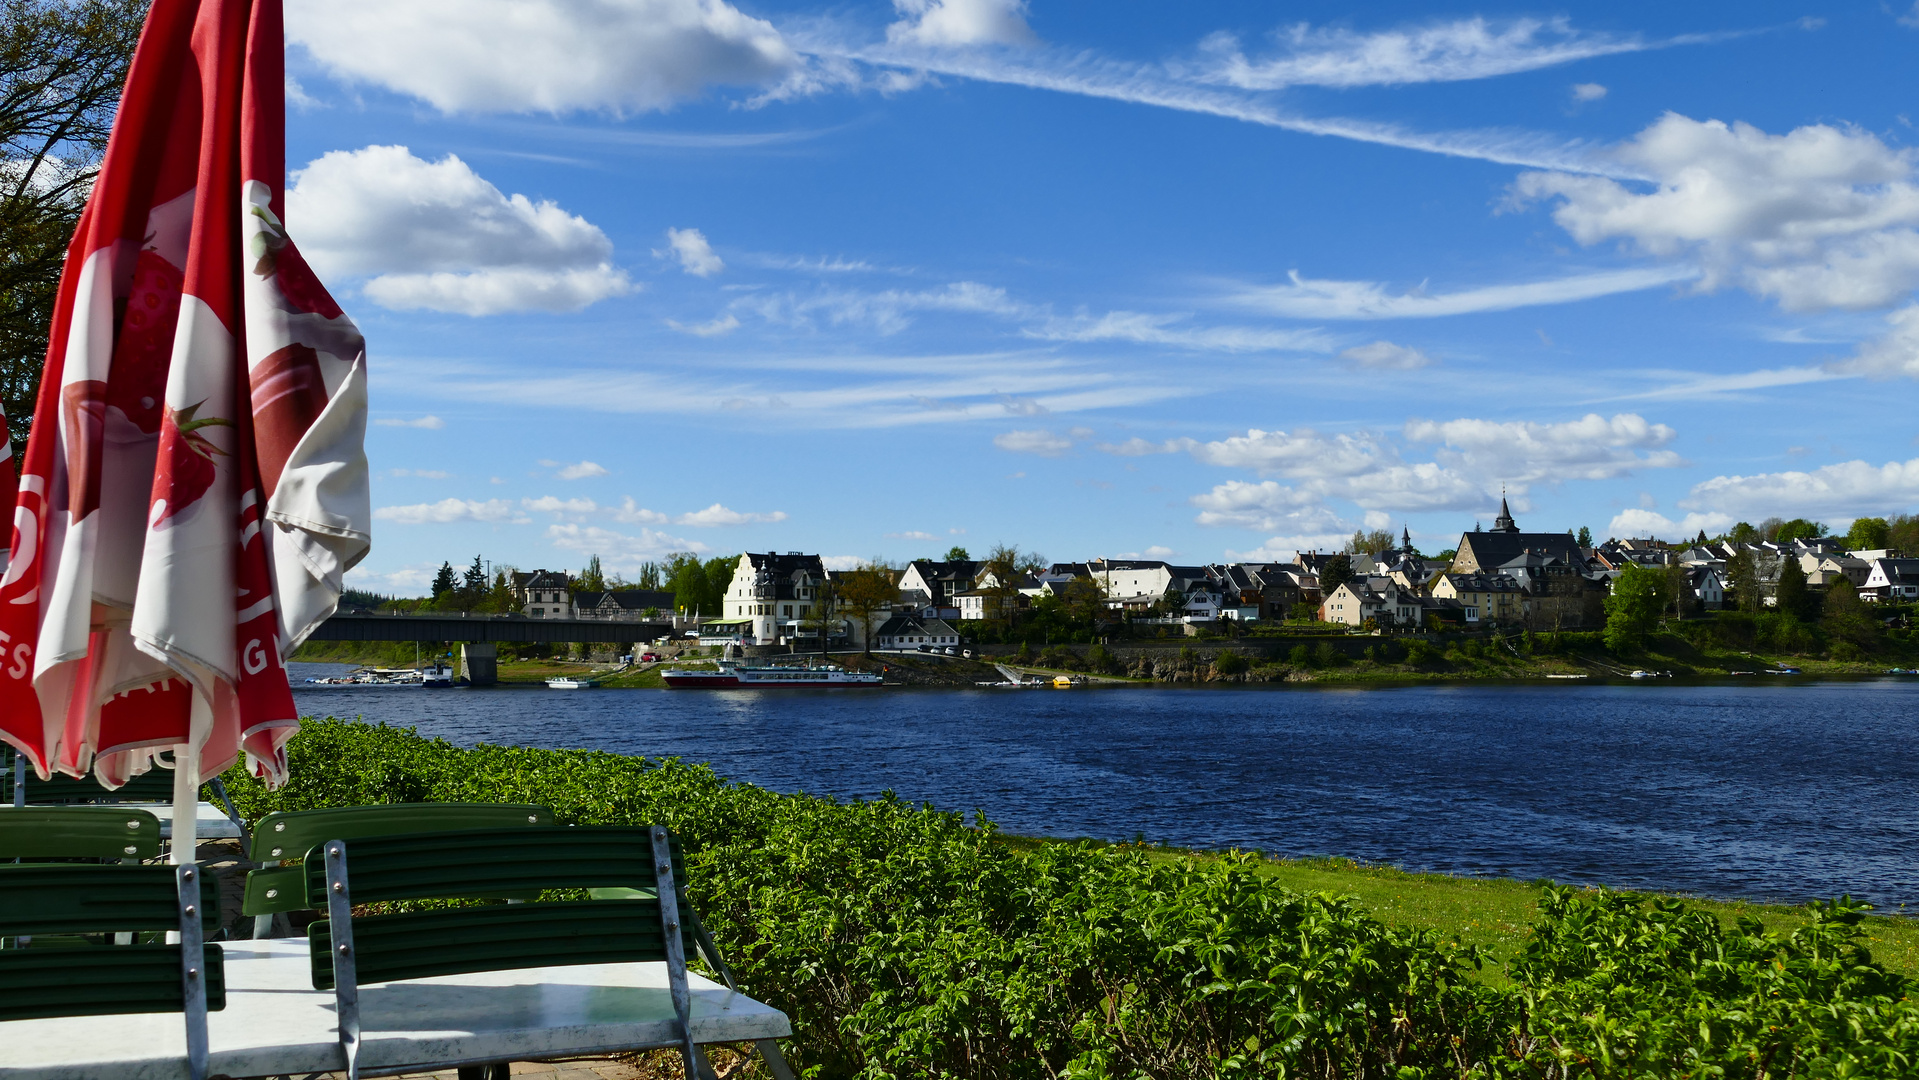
(544, 594)
(912, 631)
(776, 593)
(1892, 581)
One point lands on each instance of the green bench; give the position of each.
(282, 839)
(77, 899)
(648, 920)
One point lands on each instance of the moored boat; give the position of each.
(732, 675)
(569, 682)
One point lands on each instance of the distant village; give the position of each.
(1502, 576)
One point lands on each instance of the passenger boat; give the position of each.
(437, 678)
(568, 682)
(733, 675)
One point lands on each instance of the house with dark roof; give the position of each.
(1495, 547)
(913, 631)
(623, 605)
(779, 593)
(546, 595)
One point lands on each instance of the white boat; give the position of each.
(569, 682)
(734, 675)
(437, 678)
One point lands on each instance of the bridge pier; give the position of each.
(480, 663)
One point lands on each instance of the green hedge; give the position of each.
(903, 942)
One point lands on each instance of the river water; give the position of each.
(1770, 791)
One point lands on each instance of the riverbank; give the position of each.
(903, 940)
(1335, 660)
(1498, 914)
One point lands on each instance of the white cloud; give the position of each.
(1156, 551)
(620, 550)
(1896, 352)
(1039, 441)
(447, 511)
(633, 513)
(1845, 490)
(1283, 548)
(887, 311)
(1310, 298)
(1386, 356)
(551, 504)
(579, 470)
(1910, 18)
(1593, 447)
(1638, 522)
(437, 236)
(414, 578)
(423, 474)
(1709, 386)
(1165, 330)
(961, 22)
(718, 327)
(1821, 217)
(1441, 52)
(427, 423)
(1303, 452)
(1266, 505)
(914, 535)
(542, 55)
(696, 256)
(1588, 91)
(717, 515)
(1138, 447)
(840, 564)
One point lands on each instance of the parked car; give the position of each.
(649, 658)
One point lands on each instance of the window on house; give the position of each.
(788, 611)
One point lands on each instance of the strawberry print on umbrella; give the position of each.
(198, 484)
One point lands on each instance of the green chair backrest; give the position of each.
(154, 785)
(496, 937)
(78, 832)
(81, 899)
(287, 836)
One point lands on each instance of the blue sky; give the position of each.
(1200, 281)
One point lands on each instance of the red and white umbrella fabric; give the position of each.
(195, 482)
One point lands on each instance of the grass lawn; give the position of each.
(1498, 913)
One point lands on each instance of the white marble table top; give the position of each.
(214, 824)
(275, 1023)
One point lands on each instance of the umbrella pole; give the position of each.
(186, 800)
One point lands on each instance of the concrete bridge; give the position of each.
(479, 636)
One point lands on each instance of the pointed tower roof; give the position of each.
(1504, 522)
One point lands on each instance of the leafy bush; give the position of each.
(902, 942)
(1230, 663)
(1328, 656)
(1301, 656)
(1421, 653)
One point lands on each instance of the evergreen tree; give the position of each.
(1585, 537)
(444, 582)
(473, 582)
(1337, 571)
(1792, 596)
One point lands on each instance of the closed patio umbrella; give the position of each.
(195, 483)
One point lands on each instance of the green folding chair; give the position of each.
(57, 899)
(283, 838)
(20, 787)
(31, 833)
(348, 950)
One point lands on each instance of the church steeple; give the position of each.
(1504, 522)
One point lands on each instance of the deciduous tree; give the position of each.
(865, 593)
(1867, 534)
(61, 68)
(1638, 595)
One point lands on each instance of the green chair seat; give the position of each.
(72, 898)
(78, 832)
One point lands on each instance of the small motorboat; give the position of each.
(569, 682)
